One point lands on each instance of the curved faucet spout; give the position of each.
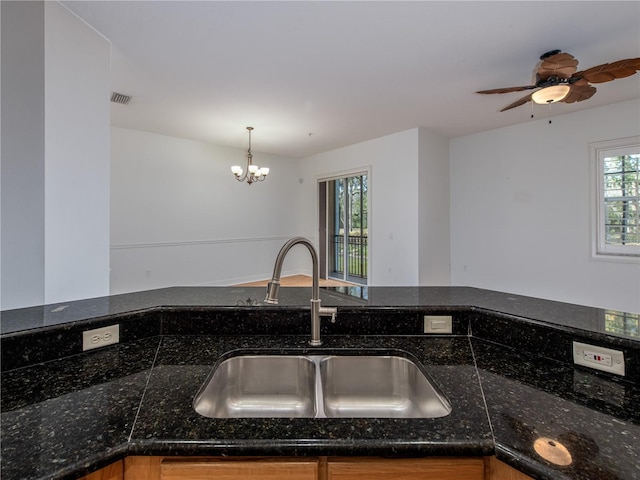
(273, 287)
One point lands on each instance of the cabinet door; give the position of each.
(502, 471)
(232, 469)
(405, 469)
(111, 472)
(142, 468)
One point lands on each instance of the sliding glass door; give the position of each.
(344, 213)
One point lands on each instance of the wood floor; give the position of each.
(297, 281)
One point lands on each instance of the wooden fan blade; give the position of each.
(580, 82)
(561, 65)
(610, 71)
(508, 89)
(579, 93)
(517, 103)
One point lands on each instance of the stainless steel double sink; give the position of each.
(320, 386)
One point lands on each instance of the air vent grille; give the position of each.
(120, 98)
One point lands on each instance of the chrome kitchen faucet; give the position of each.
(316, 310)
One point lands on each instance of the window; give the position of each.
(617, 165)
(344, 228)
(622, 323)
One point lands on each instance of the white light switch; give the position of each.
(438, 324)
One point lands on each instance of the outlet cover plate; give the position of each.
(438, 324)
(100, 337)
(600, 358)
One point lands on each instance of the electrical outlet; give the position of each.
(100, 337)
(438, 324)
(600, 358)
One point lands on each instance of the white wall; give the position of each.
(433, 209)
(22, 158)
(77, 117)
(180, 218)
(55, 156)
(393, 201)
(520, 213)
(521, 209)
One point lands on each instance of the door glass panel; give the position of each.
(347, 242)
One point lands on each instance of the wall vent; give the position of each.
(120, 98)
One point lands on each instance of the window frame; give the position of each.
(598, 151)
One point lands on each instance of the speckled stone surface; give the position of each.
(67, 417)
(546, 311)
(167, 422)
(551, 343)
(535, 400)
(66, 413)
(35, 346)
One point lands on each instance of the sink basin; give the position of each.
(378, 386)
(320, 386)
(260, 386)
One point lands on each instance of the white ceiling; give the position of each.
(314, 76)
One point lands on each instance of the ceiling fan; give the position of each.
(558, 81)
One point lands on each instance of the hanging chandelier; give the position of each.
(253, 173)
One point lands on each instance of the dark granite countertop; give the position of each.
(66, 413)
(167, 422)
(559, 314)
(546, 404)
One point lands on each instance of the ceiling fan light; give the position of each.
(551, 94)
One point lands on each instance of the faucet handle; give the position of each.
(328, 312)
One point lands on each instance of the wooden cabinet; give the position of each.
(405, 469)
(115, 471)
(256, 468)
(303, 468)
(496, 470)
(268, 469)
(142, 468)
